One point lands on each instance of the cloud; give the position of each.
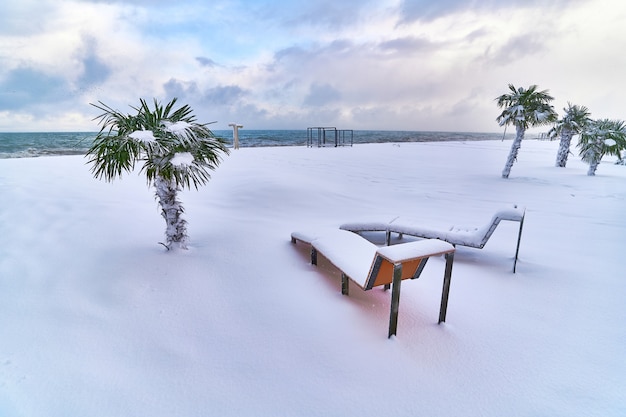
(180, 89)
(330, 14)
(516, 48)
(321, 94)
(428, 10)
(284, 64)
(412, 10)
(292, 52)
(206, 62)
(408, 45)
(95, 70)
(224, 95)
(17, 17)
(26, 87)
(131, 2)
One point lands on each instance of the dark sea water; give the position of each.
(24, 145)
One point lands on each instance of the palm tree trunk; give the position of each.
(563, 152)
(596, 152)
(172, 210)
(517, 143)
(593, 164)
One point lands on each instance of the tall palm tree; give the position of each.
(572, 123)
(599, 138)
(523, 108)
(174, 151)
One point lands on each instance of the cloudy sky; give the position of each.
(290, 64)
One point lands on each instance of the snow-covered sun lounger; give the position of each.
(474, 237)
(369, 266)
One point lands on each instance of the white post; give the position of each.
(236, 134)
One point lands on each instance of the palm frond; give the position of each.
(115, 151)
(602, 137)
(525, 107)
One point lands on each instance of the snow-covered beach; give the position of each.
(96, 319)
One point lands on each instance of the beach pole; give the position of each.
(236, 134)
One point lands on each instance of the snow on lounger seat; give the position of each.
(370, 266)
(474, 237)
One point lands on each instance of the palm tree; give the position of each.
(572, 123)
(174, 150)
(523, 108)
(599, 138)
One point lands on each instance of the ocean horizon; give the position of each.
(35, 144)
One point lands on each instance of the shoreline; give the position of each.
(25, 145)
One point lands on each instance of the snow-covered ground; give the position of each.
(97, 319)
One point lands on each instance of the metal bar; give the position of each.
(447, 276)
(420, 268)
(519, 239)
(345, 284)
(369, 284)
(395, 299)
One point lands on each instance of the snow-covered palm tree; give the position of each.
(523, 108)
(599, 138)
(174, 151)
(573, 122)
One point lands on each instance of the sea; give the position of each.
(35, 144)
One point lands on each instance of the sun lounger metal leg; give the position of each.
(447, 276)
(519, 239)
(345, 284)
(395, 299)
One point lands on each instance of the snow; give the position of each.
(98, 319)
(182, 159)
(177, 127)
(457, 235)
(413, 250)
(348, 252)
(369, 224)
(145, 136)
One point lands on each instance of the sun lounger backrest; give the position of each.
(381, 272)
(412, 256)
(514, 213)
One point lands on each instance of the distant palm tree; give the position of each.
(175, 152)
(523, 108)
(599, 138)
(572, 123)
